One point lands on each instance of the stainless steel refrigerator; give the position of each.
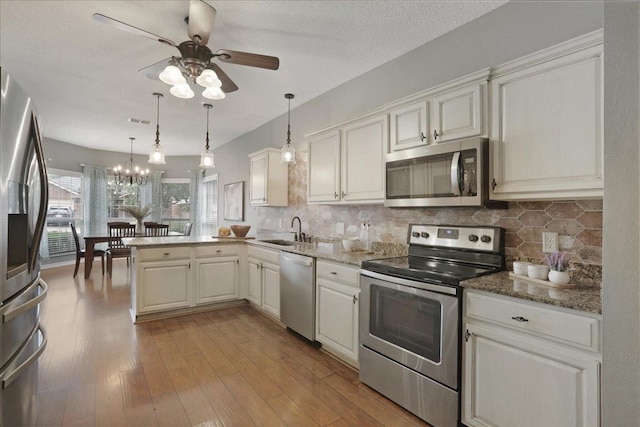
(23, 206)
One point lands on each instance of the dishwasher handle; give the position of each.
(307, 262)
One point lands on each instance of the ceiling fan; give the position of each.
(195, 63)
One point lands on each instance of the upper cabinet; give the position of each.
(268, 179)
(455, 110)
(547, 115)
(346, 164)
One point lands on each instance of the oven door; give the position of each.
(412, 323)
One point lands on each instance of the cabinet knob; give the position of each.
(435, 134)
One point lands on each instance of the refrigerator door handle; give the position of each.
(13, 313)
(8, 378)
(44, 194)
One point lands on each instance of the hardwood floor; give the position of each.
(230, 367)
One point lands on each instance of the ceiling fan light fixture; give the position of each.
(288, 151)
(172, 76)
(213, 93)
(182, 91)
(209, 79)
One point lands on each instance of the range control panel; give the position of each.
(456, 237)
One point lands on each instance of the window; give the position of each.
(175, 203)
(209, 213)
(65, 206)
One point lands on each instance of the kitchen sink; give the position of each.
(280, 242)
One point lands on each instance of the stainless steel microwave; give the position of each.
(450, 174)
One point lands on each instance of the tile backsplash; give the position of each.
(577, 222)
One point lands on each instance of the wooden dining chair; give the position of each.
(117, 249)
(187, 229)
(80, 252)
(155, 229)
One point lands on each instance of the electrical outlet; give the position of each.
(340, 227)
(549, 242)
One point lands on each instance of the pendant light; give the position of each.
(206, 158)
(288, 150)
(156, 157)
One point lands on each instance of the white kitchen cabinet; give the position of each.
(409, 126)
(163, 285)
(268, 179)
(264, 279)
(324, 167)
(458, 113)
(337, 295)
(522, 366)
(217, 273)
(346, 164)
(547, 123)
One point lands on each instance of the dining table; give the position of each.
(89, 248)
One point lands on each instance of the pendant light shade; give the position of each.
(206, 158)
(288, 154)
(156, 157)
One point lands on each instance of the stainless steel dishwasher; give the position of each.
(298, 294)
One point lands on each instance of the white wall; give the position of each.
(621, 243)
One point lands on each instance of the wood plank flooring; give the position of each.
(230, 367)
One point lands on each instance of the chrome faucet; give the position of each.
(299, 235)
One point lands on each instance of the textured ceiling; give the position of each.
(83, 74)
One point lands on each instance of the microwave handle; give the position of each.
(455, 174)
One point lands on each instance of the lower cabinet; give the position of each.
(264, 279)
(337, 294)
(513, 375)
(217, 279)
(165, 285)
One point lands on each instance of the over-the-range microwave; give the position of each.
(451, 174)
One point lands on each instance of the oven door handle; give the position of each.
(422, 285)
(455, 174)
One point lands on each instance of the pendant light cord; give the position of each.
(289, 122)
(207, 139)
(158, 121)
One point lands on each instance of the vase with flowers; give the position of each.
(139, 213)
(558, 267)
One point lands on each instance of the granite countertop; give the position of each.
(150, 242)
(582, 298)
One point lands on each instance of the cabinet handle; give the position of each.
(334, 273)
(520, 319)
(467, 335)
(435, 134)
(494, 184)
(422, 137)
(264, 199)
(344, 194)
(257, 266)
(335, 195)
(166, 254)
(238, 261)
(355, 299)
(218, 251)
(189, 266)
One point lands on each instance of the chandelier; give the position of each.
(193, 65)
(130, 174)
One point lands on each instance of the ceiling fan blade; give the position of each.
(227, 84)
(250, 59)
(201, 18)
(153, 71)
(131, 29)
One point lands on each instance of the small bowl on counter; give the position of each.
(540, 272)
(351, 243)
(521, 268)
(240, 230)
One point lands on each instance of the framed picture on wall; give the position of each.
(234, 201)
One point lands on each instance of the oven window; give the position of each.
(411, 322)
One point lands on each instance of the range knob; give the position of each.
(415, 234)
(473, 238)
(424, 234)
(485, 239)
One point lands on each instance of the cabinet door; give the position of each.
(512, 381)
(163, 285)
(259, 171)
(271, 289)
(364, 145)
(255, 281)
(409, 127)
(217, 279)
(324, 167)
(337, 317)
(458, 113)
(547, 136)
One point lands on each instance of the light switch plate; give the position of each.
(549, 242)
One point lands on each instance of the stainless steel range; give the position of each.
(410, 316)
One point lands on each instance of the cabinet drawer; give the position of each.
(268, 255)
(341, 272)
(155, 254)
(216, 250)
(567, 327)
